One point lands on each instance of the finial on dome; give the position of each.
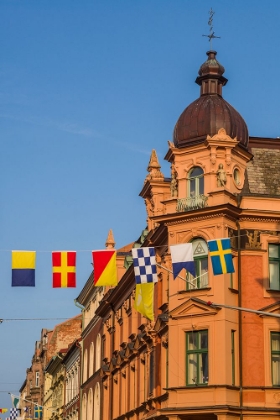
(110, 242)
(211, 77)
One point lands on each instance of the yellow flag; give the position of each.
(144, 300)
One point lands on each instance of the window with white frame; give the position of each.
(274, 266)
(275, 358)
(195, 182)
(200, 255)
(197, 357)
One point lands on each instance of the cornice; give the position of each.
(93, 322)
(223, 210)
(195, 219)
(258, 219)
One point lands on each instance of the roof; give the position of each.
(263, 172)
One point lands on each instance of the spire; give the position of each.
(110, 242)
(154, 168)
(211, 77)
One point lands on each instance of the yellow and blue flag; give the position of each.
(23, 268)
(38, 412)
(221, 256)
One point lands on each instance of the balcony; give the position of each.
(191, 203)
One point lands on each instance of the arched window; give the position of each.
(91, 359)
(200, 254)
(85, 366)
(98, 353)
(90, 405)
(96, 408)
(84, 412)
(195, 182)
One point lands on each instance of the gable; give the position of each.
(193, 307)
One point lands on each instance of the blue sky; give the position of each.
(87, 90)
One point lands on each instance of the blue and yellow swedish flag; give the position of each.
(221, 256)
(23, 268)
(38, 412)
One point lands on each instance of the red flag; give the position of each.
(64, 268)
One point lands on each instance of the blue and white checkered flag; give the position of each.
(144, 261)
(13, 413)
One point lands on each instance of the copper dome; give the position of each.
(210, 111)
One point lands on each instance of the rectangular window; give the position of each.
(275, 358)
(232, 358)
(37, 378)
(197, 357)
(274, 266)
(200, 253)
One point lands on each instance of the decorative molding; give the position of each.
(222, 136)
(253, 239)
(195, 219)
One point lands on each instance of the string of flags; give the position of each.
(144, 262)
(15, 411)
(105, 268)
(64, 268)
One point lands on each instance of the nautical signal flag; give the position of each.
(15, 401)
(221, 256)
(145, 268)
(13, 413)
(64, 268)
(3, 410)
(182, 257)
(38, 412)
(105, 267)
(23, 268)
(144, 299)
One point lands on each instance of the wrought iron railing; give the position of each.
(191, 203)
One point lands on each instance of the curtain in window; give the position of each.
(275, 358)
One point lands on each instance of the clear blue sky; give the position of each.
(87, 89)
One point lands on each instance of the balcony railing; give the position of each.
(191, 203)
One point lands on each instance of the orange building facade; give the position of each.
(199, 358)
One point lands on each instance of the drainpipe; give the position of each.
(240, 315)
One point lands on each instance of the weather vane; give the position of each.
(210, 23)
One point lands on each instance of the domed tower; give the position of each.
(209, 151)
(210, 112)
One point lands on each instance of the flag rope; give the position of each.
(31, 402)
(90, 250)
(239, 308)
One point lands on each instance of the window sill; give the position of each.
(273, 290)
(194, 290)
(196, 385)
